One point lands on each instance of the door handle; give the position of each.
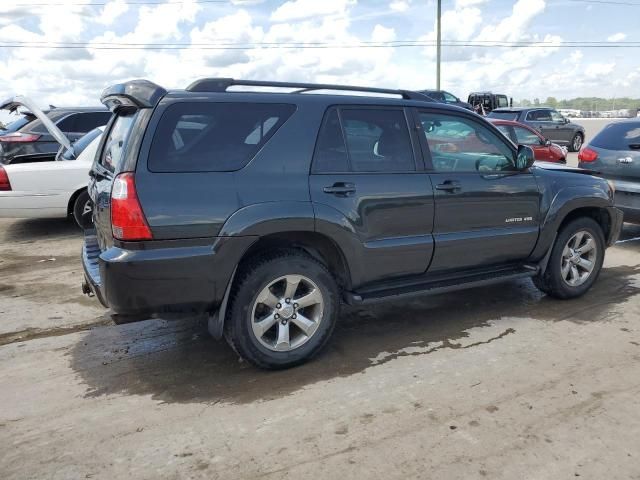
(448, 186)
(340, 189)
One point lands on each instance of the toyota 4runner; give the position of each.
(265, 210)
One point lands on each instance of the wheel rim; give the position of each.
(86, 209)
(577, 142)
(287, 313)
(579, 258)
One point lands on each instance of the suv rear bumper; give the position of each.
(174, 278)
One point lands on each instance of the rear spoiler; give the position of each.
(135, 93)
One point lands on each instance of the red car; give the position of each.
(521, 134)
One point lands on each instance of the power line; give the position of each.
(128, 2)
(318, 45)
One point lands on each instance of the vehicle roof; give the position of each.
(486, 93)
(513, 123)
(520, 109)
(98, 108)
(317, 98)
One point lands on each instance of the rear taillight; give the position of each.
(587, 155)
(5, 184)
(127, 218)
(18, 137)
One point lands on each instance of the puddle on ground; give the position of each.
(178, 362)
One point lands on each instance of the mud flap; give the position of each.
(215, 322)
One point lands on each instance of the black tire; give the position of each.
(81, 215)
(552, 282)
(251, 281)
(576, 142)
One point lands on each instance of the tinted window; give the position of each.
(37, 127)
(377, 140)
(115, 144)
(503, 115)
(539, 116)
(618, 136)
(525, 137)
(331, 153)
(84, 122)
(209, 137)
(462, 145)
(80, 145)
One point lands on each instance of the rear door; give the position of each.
(486, 212)
(108, 163)
(365, 175)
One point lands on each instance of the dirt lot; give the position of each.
(495, 382)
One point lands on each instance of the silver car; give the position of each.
(614, 153)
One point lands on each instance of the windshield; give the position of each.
(503, 115)
(81, 145)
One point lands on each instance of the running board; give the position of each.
(441, 286)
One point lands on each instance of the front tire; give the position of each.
(282, 310)
(576, 143)
(575, 261)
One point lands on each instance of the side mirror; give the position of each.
(547, 143)
(525, 157)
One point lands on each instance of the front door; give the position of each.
(370, 195)
(487, 212)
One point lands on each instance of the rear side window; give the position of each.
(37, 127)
(115, 144)
(364, 140)
(213, 137)
(618, 136)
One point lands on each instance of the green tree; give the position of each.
(536, 101)
(551, 102)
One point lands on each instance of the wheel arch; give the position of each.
(72, 199)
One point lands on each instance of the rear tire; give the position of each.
(266, 325)
(576, 143)
(575, 261)
(82, 210)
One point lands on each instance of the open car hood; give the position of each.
(12, 104)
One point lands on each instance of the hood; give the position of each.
(12, 104)
(562, 167)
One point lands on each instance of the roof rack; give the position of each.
(221, 85)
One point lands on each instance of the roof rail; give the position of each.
(222, 84)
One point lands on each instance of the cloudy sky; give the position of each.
(203, 30)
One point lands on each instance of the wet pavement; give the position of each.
(493, 382)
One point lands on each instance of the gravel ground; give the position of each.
(494, 382)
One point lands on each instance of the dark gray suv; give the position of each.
(548, 121)
(265, 211)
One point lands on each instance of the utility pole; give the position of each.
(439, 45)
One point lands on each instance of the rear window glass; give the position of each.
(213, 137)
(503, 115)
(618, 136)
(81, 145)
(37, 127)
(115, 144)
(84, 122)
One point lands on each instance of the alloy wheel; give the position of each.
(577, 143)
(287, 313)
(579, 258)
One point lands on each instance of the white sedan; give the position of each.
(54, 188)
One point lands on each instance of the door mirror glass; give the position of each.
(525, 158)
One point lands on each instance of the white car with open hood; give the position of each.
(54, 187)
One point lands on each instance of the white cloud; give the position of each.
(304, 9)
(598, 70)
(399, 5)
(469, 3)
(383, 34)
(112, 11)
(617, 37)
